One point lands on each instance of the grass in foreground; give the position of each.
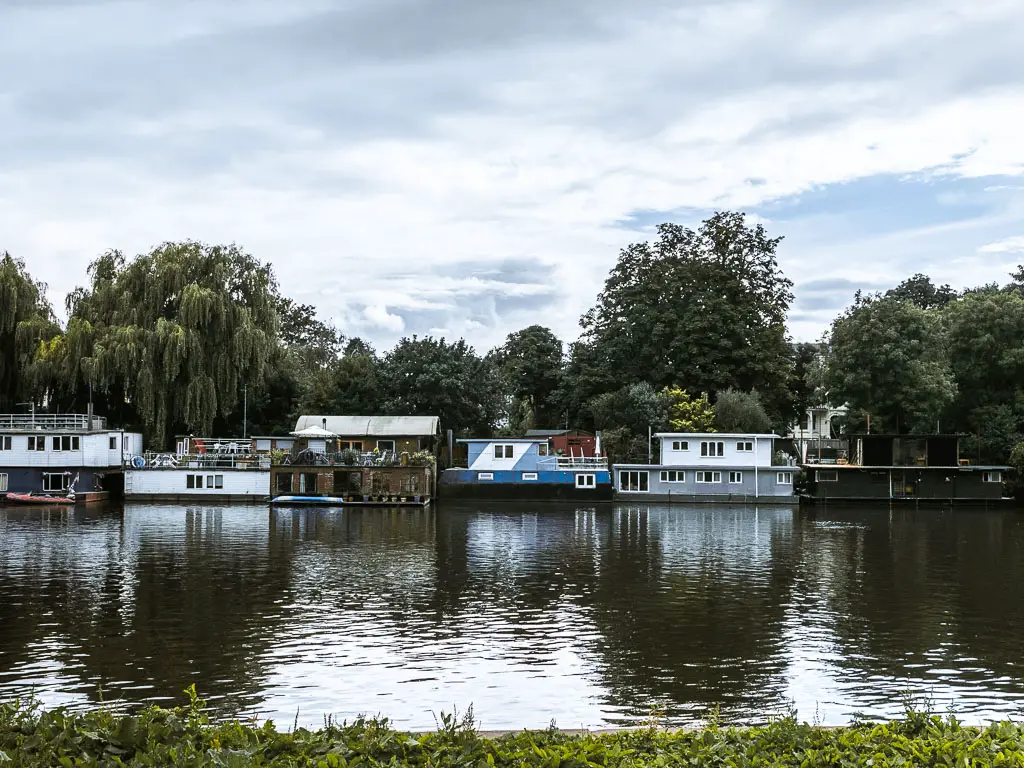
(185, 737)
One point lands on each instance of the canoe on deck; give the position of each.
(338, 501)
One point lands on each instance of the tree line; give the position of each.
(688, 334)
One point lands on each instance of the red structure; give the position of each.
(568, 442)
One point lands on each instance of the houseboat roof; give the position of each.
(373, 426)
(765, 435)
(557, 433)
(902, 467)
(500, 440)
(51, 422)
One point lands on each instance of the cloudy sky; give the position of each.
(468, 168)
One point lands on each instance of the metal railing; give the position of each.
(158, 461)
(50, 422)
(572, 462)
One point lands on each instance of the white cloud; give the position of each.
(1007, 245)
(381, 184)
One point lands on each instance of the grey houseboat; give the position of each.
(709, 468)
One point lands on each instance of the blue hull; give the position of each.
(337, 501)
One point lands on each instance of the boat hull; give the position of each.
(28, 499)
(338, 501)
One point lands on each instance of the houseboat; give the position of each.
(212, 469)
(709, 468)
(45, 453)
(525, 468)
(371, 461)
(887, 468)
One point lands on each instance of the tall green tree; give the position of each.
(432, 377)
(530, 362)
(351, 385)
(176, 332)
(687, 413)
(27, 326)
(920, 291)
(737, 411)
(887, 358)
(705, 309)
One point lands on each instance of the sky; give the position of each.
(462, 168)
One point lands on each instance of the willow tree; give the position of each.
(176, 332)
(27, 324)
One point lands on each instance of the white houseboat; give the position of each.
(709, 468)
(44, 452)
(213, 469)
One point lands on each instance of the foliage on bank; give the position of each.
(161, 737)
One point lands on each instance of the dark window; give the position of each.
(190, 481)
(113, 443)
(283, 483)
(218, 481)
(5, 442)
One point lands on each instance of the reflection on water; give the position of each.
(585, 615)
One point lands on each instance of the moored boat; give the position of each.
(38, 498)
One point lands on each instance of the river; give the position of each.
(592, 616)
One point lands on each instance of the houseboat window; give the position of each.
(503, 451)
(307, 482)
(744, 446)
(709, 448)
(199, 481)
(586, 481)
(542, 449)
(384, 445)
(190, 481)
(992, 477)
(5, 442)
(680, 445)
(784, 478)
(55, 481)
(709, 477)
(673, 476)
(3, 481)
(529, 475)
(283, 482)
(484, 475)
(209, 481)
(827, 475)
(66, 443)
(262, 445)
(284, 445)
(36, 443)
(113, 443)
(218, 481)
(632, 480)
(735, 477)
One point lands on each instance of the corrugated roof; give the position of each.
(373, 426)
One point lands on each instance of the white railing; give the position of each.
(572, 462)
(217, 445)
(50, 422)
(158, 461)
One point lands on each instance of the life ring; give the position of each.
(138, 462)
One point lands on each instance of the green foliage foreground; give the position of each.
(159, 737)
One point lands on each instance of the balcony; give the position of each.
(163, 461)
(50, 422)
(553, 463)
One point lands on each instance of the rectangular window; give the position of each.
(503, 451)
(709, 477)
(586, 481)
(66, 443)
(344, 445)
(529, 475)
(680, 445)
(262, 445)
(113, 443)
(209, 481)
(76, 443)
(5, 442)
(735, 477)
(542, 449)
(283, 483)
(3, 481)
(632, 480)
(55, 481)
(784, 478)
(284, 445)
(190, 481)
(673, 476)
(37, 443)
(385, 445)
(199, 481)
(709, 448)
(218, 481)
(744, 446)
(827, 475)
(992, 477)
(56, 444)
(484, 475)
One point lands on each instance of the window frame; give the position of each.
(673, 476)
(503, 451)
(112, 442)
(703, 474)
(484, 476)
(826, 475)
(783, 478)
(680, 445)
(744, 446)
(3, 482)
(708, 448)
(190, 481)
(992, 476)
(735, 477)
(542, 449)
(589, 480)
(36, 443)
(641, 474)
(65, 482)
(218, 481)
(530, 476)
(381, 449)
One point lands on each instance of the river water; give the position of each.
(586, 615)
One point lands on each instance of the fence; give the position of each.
(51, 422)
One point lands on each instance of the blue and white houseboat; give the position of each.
(709, 468)
(47, 453)
(525, 468)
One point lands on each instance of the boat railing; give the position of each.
(156, 460)
(573, 462)
(51, 422)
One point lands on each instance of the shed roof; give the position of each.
(556, 432)
(374, 426)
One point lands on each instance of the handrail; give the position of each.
(51, 422)
(573, 462)
(162, 461)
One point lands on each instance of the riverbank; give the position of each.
(185, 736)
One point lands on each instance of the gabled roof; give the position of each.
(374, 426)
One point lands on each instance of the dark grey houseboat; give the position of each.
(903, 468)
